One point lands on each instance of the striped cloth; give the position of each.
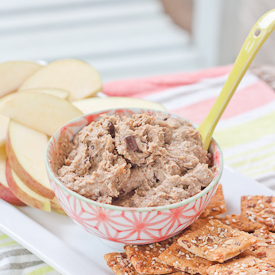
(246, 133)
(16, 260)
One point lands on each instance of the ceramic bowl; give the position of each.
(124, 224)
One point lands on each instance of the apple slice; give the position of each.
(4, 122)
(97, 104)
(24, 193)
(56, 207)
(57, 92)
(14, 73)
(5, 192)
(74, 76)
(25, 149)
(7, 98)
(42, 112)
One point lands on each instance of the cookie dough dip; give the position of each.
(139, 161)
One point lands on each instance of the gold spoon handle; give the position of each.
(255, 39)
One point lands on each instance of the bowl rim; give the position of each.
(51, 174)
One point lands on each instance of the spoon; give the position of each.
(254, 41)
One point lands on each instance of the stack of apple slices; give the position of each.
(36, 101)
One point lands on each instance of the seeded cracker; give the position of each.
(179, 273)
(256, 212)
(144, 257)
(119, 264)
(233, 221)
(266, 237)
(184, 260)
(216, 205)
(197, 224)
(244, 266)
(264, 248)
(217, 242)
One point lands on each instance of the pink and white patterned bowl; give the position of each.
(122, 224)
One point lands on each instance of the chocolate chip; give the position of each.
(111, 129)
(251, 205)
(131, 143)
(155, 177)
(92, 147)
(186, 269)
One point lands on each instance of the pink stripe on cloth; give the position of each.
(145, 86)
(244, 100)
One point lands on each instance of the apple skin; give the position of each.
(8, 196)
(22, 195)
(24, 176)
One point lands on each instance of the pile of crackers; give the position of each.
(237, 244)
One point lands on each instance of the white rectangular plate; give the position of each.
(69, 249)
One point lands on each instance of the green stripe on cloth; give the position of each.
(261, 165)
(240, 163)
(256, 150)
(246, 132)
(41, 271)
(263, 171)
(8, 244)
(2, 237)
